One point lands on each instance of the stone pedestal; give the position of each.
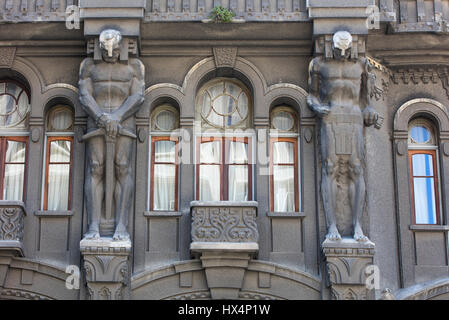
(225, 237)
(106, 267)
(346, 262)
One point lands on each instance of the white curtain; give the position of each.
(238, 183)
(14, 171)
(164, 175)
(59, 175)
(210, 154)
(283, 177)
(424, 189)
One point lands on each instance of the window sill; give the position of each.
(162, 214)
(428, 228)
(53, 213)
(223, 204)
(13, 204)
(286, 214)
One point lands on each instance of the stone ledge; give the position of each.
(224, 247)
(348, 246)
(11, 247)
(223, 204)
(428, 228)
(105, 246)
(286, 214)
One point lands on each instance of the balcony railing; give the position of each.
(12, 214)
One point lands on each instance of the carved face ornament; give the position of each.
(343, 41)
(110, 40)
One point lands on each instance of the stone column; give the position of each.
(106, 266)
(346, 262)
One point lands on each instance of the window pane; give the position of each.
(420, 134)
(210, 183)
(165, 151)
(238, 152)
(283, 121)
(58, 186)
(13, 182)
(15, 151)
(424, 194)
(284, 188)
(283, 152)
(62, 120)
(164, 187)
(238, 183)
(422, 165)
(60, 151)
(165, 120)
(210, 152)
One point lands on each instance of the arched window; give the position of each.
(164, 159)
(224, 151)
(58, 159)
(284, 180)
(14, 110)
(424, 173)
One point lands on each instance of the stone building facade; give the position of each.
(300, 151)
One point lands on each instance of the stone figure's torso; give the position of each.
(340, 86)
(111, 84)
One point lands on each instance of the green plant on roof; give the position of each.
(221, 14)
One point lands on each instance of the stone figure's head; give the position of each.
(342, 44)
(110, 41)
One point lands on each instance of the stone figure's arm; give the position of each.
(137, 96)
(313, 99)
(368, 81)
(86, 89)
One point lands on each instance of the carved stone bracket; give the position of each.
(7, 56)
(12, 214)
(346, 261)
(225, 56)
(106, 267)
(225, 236)
(415, 76)
(323, 46)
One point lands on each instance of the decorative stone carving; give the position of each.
(225, 236)
(225, 56)
(340, 95)
(110, 93)
(106, 266)
(224, 224)
(415, 76)
(7, 56)
(346, 262)
(12, 215)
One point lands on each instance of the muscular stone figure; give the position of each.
(111, 93)
(340, 96)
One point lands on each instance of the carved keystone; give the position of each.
(224, 235)
(106, 267)
(346, 261)
(225, 56)
(12, 214)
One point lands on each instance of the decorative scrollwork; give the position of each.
(212, 224)
(11, 223)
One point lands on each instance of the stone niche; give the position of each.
(225, 238)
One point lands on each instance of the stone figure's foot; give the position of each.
(333, 234)
(358, 234)
(92, 234)
(121, 234)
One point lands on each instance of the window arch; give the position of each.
(58, 158)
(164, 158)
(14, 110)
(224, 164)
(424, 173)
(284, 158)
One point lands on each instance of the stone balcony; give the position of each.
(12, 214)
(225, 237)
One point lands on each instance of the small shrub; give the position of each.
(220, 14)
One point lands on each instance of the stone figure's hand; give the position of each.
(101, 122)
(370, 116)
(112, 126)
(321, 110)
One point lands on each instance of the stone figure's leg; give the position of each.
(94, 188)
(123, 186)
(328, 180)
(357, 185)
